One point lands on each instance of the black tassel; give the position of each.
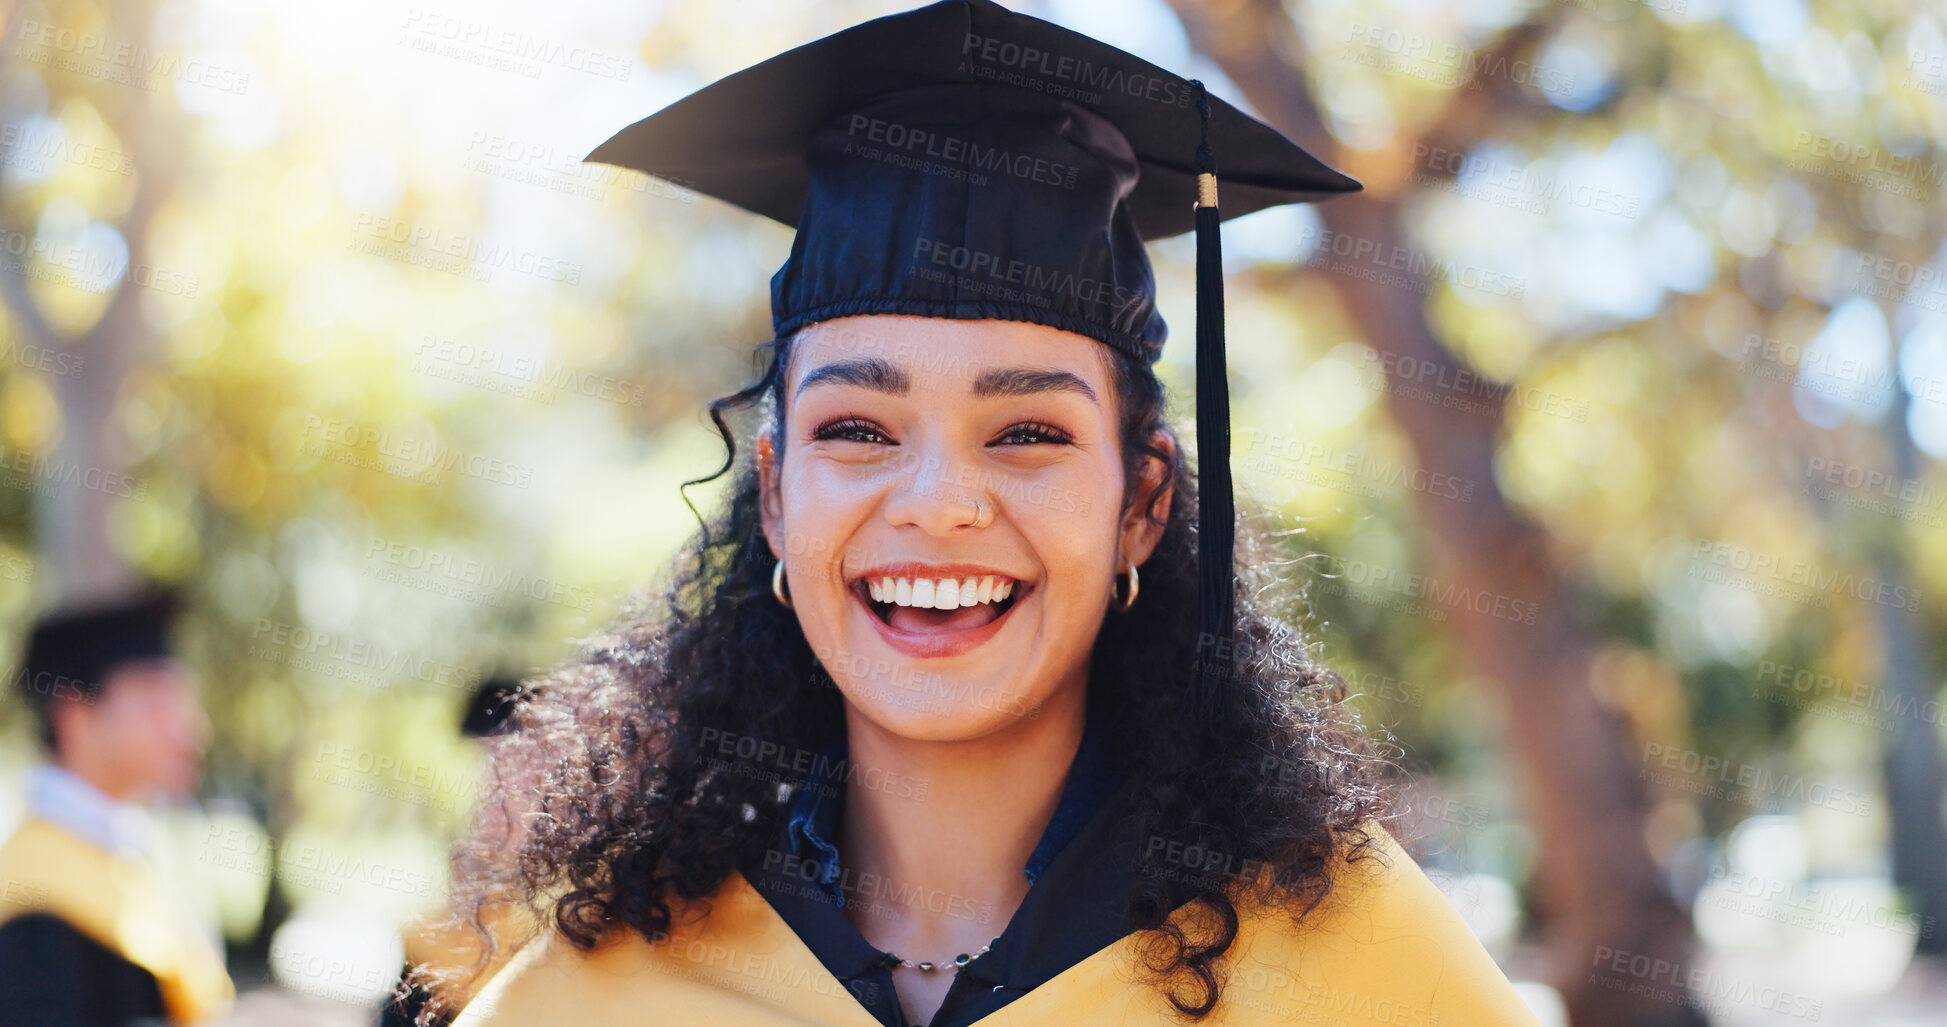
(1216, 511)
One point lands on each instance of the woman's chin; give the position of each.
(918, 699)
(923, 717)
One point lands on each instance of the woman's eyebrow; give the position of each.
(865, 372)
(1022, 381)
(881, 376)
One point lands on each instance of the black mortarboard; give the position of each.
(490, 707)
(965, 161)
(71, 652)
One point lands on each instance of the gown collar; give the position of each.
(1078, 876)
(67, 799)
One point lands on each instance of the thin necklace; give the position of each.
(892, 962)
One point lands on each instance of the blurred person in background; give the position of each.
(88, 937)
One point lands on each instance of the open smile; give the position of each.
(937, 612)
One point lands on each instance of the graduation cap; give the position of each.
(491, 706)
(964, 161)
(72, 651)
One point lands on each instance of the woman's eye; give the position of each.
(1032, 433)
(851, 429)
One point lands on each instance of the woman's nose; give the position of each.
(932, 496)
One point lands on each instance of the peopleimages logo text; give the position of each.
(1108, 78)
(1041, 282)
(940, 146)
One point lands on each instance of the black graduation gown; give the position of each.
(52, 975)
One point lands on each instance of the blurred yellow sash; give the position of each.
(119, 903)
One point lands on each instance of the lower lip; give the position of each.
(936, 644)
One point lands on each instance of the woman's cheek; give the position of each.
(832, 488)
(816, 503)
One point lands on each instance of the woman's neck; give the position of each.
(946, 827)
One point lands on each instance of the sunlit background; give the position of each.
(1605, 428)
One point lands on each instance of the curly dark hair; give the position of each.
(631, 819)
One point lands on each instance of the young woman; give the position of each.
(952, 715)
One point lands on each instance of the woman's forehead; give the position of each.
(933, 352)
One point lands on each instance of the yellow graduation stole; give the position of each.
(45, 868)
(1385, 949)
(433, 941)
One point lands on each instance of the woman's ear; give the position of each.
(770, 502)
(1153, 492)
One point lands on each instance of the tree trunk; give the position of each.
(1912, 758)
(79, 560)
(1601, 897)
(1601, 892)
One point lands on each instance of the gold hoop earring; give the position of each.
(1122, 604)
(777, 585)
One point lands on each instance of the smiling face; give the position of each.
(920, 458)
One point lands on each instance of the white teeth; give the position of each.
(939, 593)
